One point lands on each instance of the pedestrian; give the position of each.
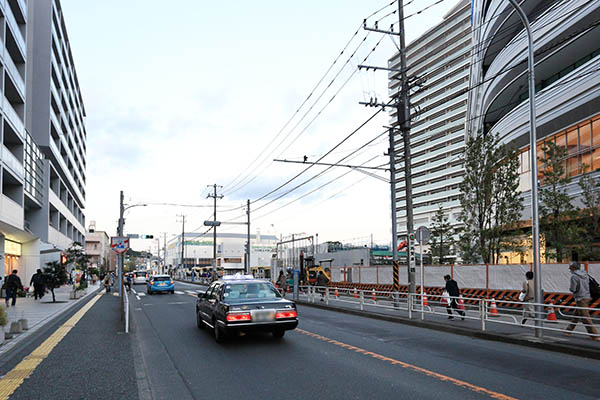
(282, 282)
(454, 293)
(108, 282)
(13, 285)
(322, 281)
(37, 280)
(526, 297)
(580, 287)
(128, 281)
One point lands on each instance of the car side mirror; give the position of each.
(201, 295)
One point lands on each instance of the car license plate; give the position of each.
(162, 284)
(263, 315)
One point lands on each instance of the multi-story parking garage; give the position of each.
(567, 75)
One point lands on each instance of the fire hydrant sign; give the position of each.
(119, 244)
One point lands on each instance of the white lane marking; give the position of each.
(137, 297)
(133, 290)
(178, 292)
(191, 294)
(190, 291)
(180, 302)
(141, 294)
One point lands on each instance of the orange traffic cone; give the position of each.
(373, 296)
(493, 309)
(551, 316)
(425, 302)
(355, 294)
(336, 294)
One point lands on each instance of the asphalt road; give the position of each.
(339, 356)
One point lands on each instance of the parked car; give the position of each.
(160, 283)
(240, 303)
(139, 277)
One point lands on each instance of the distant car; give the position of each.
(241, 303)
(139, 277)
(160, 283)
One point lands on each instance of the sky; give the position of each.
(185, 94)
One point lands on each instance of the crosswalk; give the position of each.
(192, 293)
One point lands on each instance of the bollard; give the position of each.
(24, 324)
(482, 313)
(409, 301)
(362, 300)
(15, 327)
(396, 297)
(327, 296)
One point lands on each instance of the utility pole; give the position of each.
(215, 197)
(182, 242)
(395, 267)
(248, 245)
(164, 251)
(120, 234)
(403, 113)
(403, 117)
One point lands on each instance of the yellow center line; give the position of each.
(427, 372)
(13, 379)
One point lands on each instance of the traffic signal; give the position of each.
(146, 236)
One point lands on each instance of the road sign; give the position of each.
(423, 234)
(119, 244)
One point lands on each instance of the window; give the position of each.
(572, 142)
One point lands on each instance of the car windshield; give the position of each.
(251, 290)
(162, 278)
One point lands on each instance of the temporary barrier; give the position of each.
(551, 316)
(493, 309)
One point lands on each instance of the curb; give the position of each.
(9, 345)
(559, 348)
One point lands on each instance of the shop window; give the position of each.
(585, 137)
(596, 132)
(596, 159)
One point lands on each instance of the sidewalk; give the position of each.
(39, 312)
(499, 328)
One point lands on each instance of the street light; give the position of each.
(122, 210)
(535, 229)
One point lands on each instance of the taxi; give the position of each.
(160, 283)
(240, 303)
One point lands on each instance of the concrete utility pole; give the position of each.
(395, 268)
(164, 251)
(120, 234)
(215, 197)
(248, 246)
(182, 242)
(535, 229)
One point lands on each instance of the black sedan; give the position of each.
(245, 304)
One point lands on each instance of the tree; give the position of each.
(441, 237)
(55, 275)
(490, 201)
(76, 255)
(557, 214)
(590, 197)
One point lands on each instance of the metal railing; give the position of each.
(126, 309)
(485, 311)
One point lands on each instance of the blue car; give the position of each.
(160, 283)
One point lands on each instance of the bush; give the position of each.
(82, 285)
(3, 316)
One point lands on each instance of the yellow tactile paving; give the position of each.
(457, 382)
(13, 379)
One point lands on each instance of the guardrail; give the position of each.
(484, 310)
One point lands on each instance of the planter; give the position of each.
(15, 327)
(1, 335)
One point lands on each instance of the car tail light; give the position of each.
(151, 282)
(238, 317)
(135, 275)
(286, 314)
(171, 281)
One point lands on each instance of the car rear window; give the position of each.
(254, 290)
(162, 278)
(140, 274)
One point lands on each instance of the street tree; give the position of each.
(76, 255)
(54, 276)
(590, 214)
(558, 216)
(441, 237)
(489, 198)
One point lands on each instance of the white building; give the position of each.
(441, 56)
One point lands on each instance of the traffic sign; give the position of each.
(119, 244)
(423, 234)
(212, 223)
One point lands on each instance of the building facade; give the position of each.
(440, 59)
(42, 159)
(97, 246)
(567, 76)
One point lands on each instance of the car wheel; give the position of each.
(278, 333)
(172, 292)
(219, 335)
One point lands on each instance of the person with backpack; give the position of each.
(13, 285)
(37, 280)
(580, 287)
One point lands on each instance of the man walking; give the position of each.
(322, 281)
(454, 292)
(37, 280)
(12, 284)
(580, 287)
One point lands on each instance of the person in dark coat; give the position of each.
(12, 285)
(322, 281)
(454, 292)
(37, 280)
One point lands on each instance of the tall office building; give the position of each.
(440, 58)
(55, 118)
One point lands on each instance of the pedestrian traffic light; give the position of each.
(146, 236)
(411, 249)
